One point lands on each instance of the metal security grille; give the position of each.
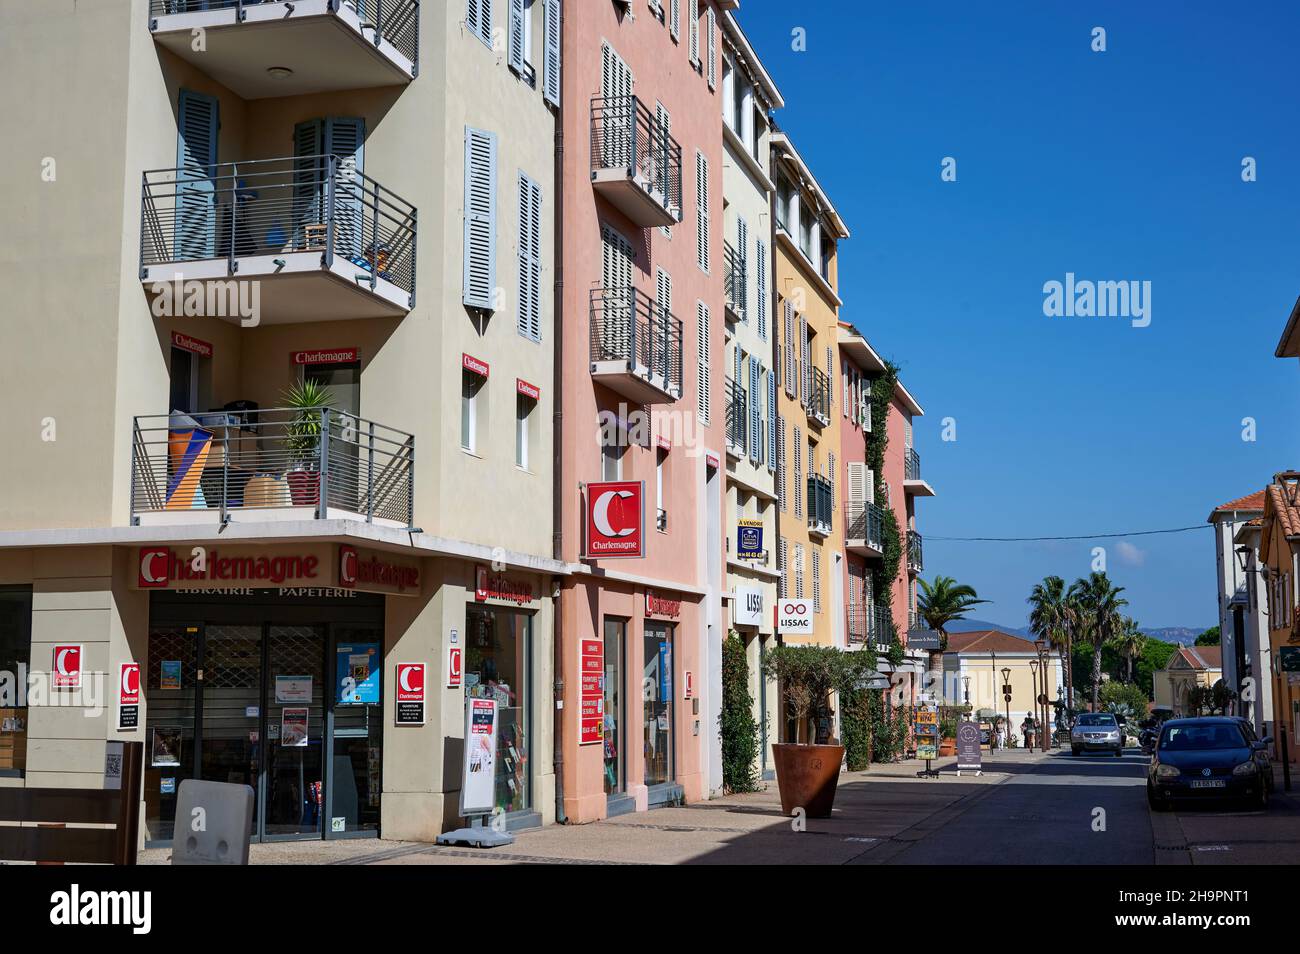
(233, 657)
(172, 643)
(295, 650)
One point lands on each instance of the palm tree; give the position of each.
(942, 602)
(1049, 619)
(1129, 643)
(1099, 608)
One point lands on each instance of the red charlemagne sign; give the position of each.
(615, 521)
(371, 571)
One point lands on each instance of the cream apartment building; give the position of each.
(749, 96)
(215, 204)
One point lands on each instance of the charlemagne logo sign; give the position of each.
(615, 513)
(164, 568)
(373, 571)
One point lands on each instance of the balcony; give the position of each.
(871, 624)
(819, 397)
(737, 419)
(308, 238)
(864, 528)
(276, 464)
(912, 482)
(264, 48)
(636, 346)
(915, 564)
(636, 165)
(821, 505)
(734, 284)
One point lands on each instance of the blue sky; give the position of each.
(1119, 165)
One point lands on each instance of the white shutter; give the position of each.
(755, 414)
(675, 19)
(515, 42)
(798, 571)
(817, 579)
(805, 362)
(478, 17)
(789, 348)
(530, 259)
(830, 475)
(551, 54)
(782, 564)
(702, 386)
(711, 45)
(760, 266)
(480, 218)
(693, 30)
(859, 493)
(702, 211)
(798, 471)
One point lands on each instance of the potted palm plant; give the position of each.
(808, 768)
(302, 439)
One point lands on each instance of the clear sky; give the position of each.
(1116, 165)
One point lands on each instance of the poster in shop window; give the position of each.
(293, 728)
(479, 776)
(358, 674)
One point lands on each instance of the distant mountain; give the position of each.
(1181, 635)
(1175, 634)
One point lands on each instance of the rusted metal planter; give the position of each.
(806, 776)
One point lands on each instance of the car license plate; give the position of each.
(1209, 783)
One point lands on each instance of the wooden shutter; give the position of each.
(515, 42)
(675, 18)
(703, 390)
(530, 258)
(817, 579)
(805, 362)
(551, 54)
(196, 156)
(789, 348)
(711, 45)
(741, 293)
(702, 211)
(755, 414)
(782, 564)
(693, 30)
(771, 421)
(480, 218)
(798, 471)
(760, 266)
(345, 140)
(478, 17)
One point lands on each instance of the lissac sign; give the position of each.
(615, 519)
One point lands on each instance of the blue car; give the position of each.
(1208, 758)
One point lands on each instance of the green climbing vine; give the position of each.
(885, 572)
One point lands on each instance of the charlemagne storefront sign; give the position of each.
(323, 565)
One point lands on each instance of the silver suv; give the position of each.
(1096, 732)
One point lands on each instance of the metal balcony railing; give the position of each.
(866, 522)
(821, 504)
(911, 465)
(276, 206)
(733, 283)
(737, 417)
(915, 562)
(397, 21)
(321, 458)
(628, 325)
(872, 624)
(819, 397)
(626, 134)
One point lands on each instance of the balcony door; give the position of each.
(198, 126)
(619, 120)
(313, 142)
(617, 311)
(342, 384)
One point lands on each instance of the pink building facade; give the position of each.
(641, 291)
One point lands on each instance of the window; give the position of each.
(674, 19)
(520, 48)
(15, 659)
(693, 31)
(661, 503)
(827, 252)
(657, 715)
(817, 579)
(478, 17)
(480, 218)
(524, 417)
(529, 322)
(612, 456)
(472, 415)
(760, 269)
(784, 200)
(805, 232)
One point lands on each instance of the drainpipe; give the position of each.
(559, 623)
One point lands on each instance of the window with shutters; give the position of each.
(478, 17)
(663, 132)
(805, 362)
(760, 274)
(530, 258)
(519, 42)
(616, 300)
(782, 568)
(198, 128)
(789, 348)
(817, 579)
(771, 421)
(755, 412)
(798, 471)
(480, 218)
(711, 46)
(703, 391)
(551, 53)
(702, 211)
(798, 571)
(618, 128)
(657, 8)
(830, 376)
(741, 291)
(675, 19)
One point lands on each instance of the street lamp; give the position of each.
(1006, 695)
(1043, 647)
(1033, 672)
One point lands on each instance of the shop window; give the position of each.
(657, 690)
(497, 667)
(15, 662)
(473, 410)
(612, 458)
(525, 423)
(615, 633)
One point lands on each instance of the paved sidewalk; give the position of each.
(878, 814)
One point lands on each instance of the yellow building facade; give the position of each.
(810, 548)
